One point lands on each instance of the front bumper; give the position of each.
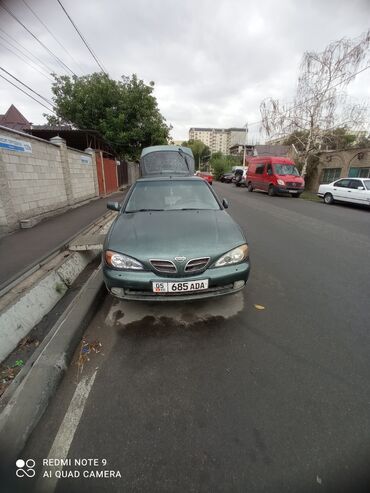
(138, 285)
(280, 189)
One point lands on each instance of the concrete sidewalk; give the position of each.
(23, 247)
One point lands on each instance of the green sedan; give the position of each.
(174, 240)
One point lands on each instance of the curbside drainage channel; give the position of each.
(21, 308)
(45, 369)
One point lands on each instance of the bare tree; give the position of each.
(320, 104)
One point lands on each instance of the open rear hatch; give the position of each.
(166, 160)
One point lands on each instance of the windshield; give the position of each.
(367, 184)
(170, 195)
(285, 169)
(167, 162)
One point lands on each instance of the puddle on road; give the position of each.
(123, 313)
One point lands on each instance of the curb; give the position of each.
(28, 402)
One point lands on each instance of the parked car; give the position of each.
(274, 175)
(208, 177)
(173, 239)
(236, 170)
(240, 177)
(354, 190)
(227, 177)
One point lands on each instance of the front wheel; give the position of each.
(296, 195)
(250, 187)
(271, 190)
(328, 198)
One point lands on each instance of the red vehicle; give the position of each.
(206, 176)
(274, 175)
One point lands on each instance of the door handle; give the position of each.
(349, 191)
(335, 189)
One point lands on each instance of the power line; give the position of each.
(29, 95)
(25, 61)
(61, 63)
(54, 37)
(25, 85)
(83, 39)
(47, 69)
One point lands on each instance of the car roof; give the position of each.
(346, 178)
(276, 159)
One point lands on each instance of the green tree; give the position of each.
(221, 164)
(125, 112)
(336, 139)
(200, 150)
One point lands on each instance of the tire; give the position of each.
(271, 190)
(328, 199)
(250, 187)
(295, 195)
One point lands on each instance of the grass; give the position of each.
(60, 287)
(310, 196)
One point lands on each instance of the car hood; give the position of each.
(295, 178)
(167, 234)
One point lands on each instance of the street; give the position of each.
(224, 395)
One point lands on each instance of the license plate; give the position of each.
(180, 287)
(293, 191)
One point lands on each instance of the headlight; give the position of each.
(281, 182)
(120, 261)
(233, 256)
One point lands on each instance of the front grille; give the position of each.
(196, 264)
(164, 266)
(293, 184)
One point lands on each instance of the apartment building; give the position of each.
(218, 139)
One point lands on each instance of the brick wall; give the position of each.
(81, 168)
(343, 160)
(42, 178)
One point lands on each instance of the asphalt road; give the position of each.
(220, 396)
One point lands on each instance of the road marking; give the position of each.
(66, 432)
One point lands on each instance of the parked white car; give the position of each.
(355, 190)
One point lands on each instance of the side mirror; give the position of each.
(114, 206)
(360, 188)
(225, 203)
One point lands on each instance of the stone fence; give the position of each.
(40, 178)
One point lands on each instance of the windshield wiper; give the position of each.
(181, 152)
(144, 210)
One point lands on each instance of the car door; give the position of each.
(268, 176)
(340, 190)
(357, 192)
(259, 176)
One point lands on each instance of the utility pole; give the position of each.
(245, 143)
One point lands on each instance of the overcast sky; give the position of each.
(212, 61)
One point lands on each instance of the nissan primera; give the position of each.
(173, 239)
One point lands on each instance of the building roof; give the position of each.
(14, 119)
(272, 150)
(77, 138)
(204, 129)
